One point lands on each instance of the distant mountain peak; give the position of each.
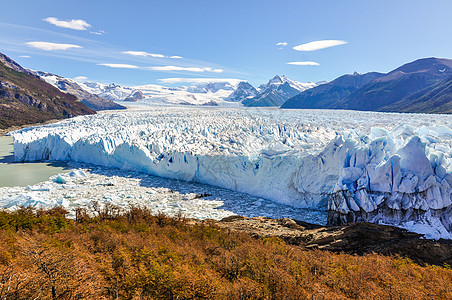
(277, 91)
(243, 91)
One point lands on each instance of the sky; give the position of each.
(180, 42)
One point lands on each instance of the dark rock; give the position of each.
(356, 238)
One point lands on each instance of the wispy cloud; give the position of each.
(71, 24)
(303, 63)
(100, 32)
(317, 45)
(143, 53)
(281, 45)
(52, 46)
(189, 69)
(25, 56)
(80, 78)
(120, 66)
(147, 54)
(199, 80)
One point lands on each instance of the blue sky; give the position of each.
(139, 42)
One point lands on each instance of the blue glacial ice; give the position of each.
(361, 166)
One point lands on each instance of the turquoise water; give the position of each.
(23, 174)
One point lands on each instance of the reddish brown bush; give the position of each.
(137, 255)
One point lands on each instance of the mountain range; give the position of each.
(223, 93)
(422, 86)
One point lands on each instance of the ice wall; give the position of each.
(402, 177)
(388, 168)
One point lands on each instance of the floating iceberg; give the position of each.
(362, 166)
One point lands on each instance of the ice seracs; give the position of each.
(400, 177)
(389, 168)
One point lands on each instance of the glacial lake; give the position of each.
(23, 174)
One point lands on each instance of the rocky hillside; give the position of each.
(26, 99)
(357, 238)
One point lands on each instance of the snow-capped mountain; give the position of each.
(277, 91)
(280, 80)
(212, 87)
(87, 97)
(244, 90)
(210, 93)
(138, 95)
(224, 93)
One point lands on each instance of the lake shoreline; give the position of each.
(4, 132)
(22, 174)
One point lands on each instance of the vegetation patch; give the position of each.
(138, 255)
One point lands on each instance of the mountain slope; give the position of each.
(398, 84)
(13, 65)
(26, 99)
(277, 91)
(328, 94)
(401, 90)
(91, 101)
(433, 99)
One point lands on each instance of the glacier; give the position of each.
(87, 185)
(360, 166)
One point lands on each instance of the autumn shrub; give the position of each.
(137, 255)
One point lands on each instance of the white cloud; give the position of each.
(199, 80)
(71, 24)
(119, 66)
(80, 78)
(52, 46)
(144, 54)
(176, 56)
(100, 32)
(303, 63)
(163, 68)
(317, 45)
(281, 44)
(188, 69)
(25, 56)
